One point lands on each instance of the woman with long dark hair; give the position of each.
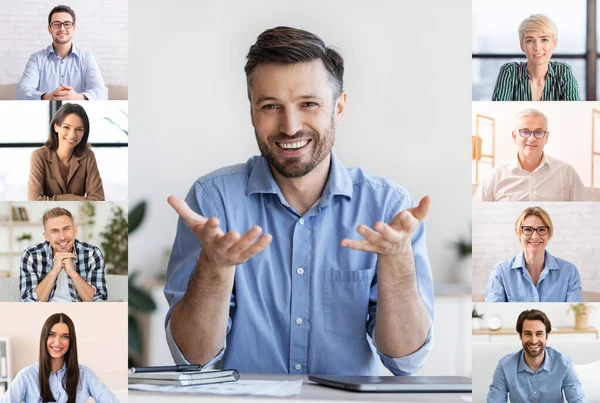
(58, 377)
(65, 167)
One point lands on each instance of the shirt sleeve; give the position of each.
(35, 185)
(505, 83)
(93, 183)
(96, 276)
(16, 390)
(572, 387)
(495, 291)
(178, 356)
(29, 82)
(499, 388)
(413, 362)
(569, 89)
(29, 278)
(94, 84)
(578, 190)
(98, 390)
(182, 263)
(574, 289)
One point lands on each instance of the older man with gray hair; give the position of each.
(532, 175)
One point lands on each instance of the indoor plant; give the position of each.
(582, 314)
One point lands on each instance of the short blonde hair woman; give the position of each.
(537, 79)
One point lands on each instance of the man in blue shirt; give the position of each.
(536, 373)
(62, 71)
(266, 271)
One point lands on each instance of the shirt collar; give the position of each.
(338, 183)
(74, 50)
(515, 164)
(551, 72)
(522, 366)
(550, 262)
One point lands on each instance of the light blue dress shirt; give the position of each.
(546, 385)
(304, 304)
(26, 387)
(45, 71)
(510, 281)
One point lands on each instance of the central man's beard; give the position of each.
(293, 167)
(534, 355)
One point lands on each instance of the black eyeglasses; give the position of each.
(538, 134)
(542, 230)
(58, 24)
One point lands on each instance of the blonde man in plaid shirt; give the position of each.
(62, 269)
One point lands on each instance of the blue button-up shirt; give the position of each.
(304, 304)
(546, 385)
(26, 387)
(510, 281)
(45, 71)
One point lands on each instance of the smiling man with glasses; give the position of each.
(62, 71)
(532, 175)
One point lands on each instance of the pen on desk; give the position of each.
(167, 368)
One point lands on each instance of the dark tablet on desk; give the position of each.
(406, 384)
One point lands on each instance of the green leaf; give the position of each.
(136, 216)
(140, 299)
(135, 336)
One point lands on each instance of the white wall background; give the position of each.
(405, 116)
(576, 238)
(558, 313)
(570, 126)
(101, 29)
(35, 211)
(101, 336)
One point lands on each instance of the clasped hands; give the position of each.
(63, 92)
(64, 261)
(231, 248)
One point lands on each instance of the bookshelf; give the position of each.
(5, 364)
(15, 220)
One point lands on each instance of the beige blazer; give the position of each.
(46, 183)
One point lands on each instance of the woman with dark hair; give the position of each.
(65, 167)
(57, 377)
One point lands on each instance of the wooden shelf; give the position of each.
(559, 330)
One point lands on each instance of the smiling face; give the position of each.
(294, 115)
(58, 340)
(61, 35)
(60, 232)
(538, 46)
(533, 243)
(530, 147)
(70, 132)
(533, 337)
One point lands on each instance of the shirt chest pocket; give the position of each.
(347, 301)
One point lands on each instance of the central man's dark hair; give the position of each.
(61, 9)
(71, 379)
(58, 118)
(285, 45)
(533, 314)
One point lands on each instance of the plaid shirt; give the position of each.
(37, 261)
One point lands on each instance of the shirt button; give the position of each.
(297, 367)
(301, 221)
(298, 321)
(300, 270)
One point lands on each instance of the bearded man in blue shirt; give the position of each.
(275, 267)
(537, 373)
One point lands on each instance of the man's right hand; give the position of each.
(220, 249)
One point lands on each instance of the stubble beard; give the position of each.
(293, 167)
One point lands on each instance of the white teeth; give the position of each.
(293, 146)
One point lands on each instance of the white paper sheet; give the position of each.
(251, 388)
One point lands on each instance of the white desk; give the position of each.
(311, 393)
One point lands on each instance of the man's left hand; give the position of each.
(65, 92)
(69, 267)
(393, 238)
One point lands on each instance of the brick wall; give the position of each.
(576, 238)
(101, 29)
